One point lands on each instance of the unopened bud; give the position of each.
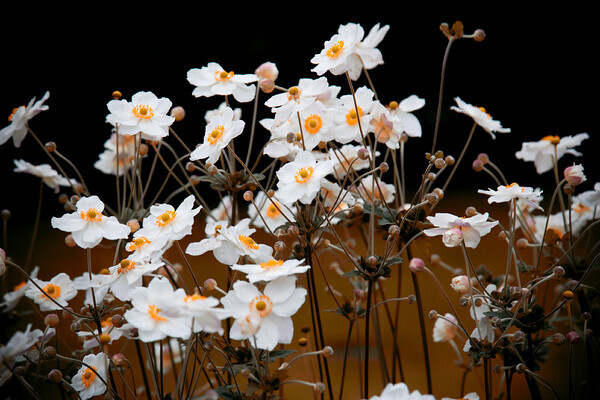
(558, 338)
(51, 320)
(432, 198)
(394, 230)
(279, 246)
(439, 163)
(267, 86)
(477, 165)
(327, 351)
(55, 376)
(479, 35)
(133, 225)
(362, 153)
(559, 272)
(104, 338)
(384, 167)
(319, 387)
(449, 160)
(178, 113)
(412, 299)
(433, 315)
(51, 147)
(416, 265)
(573, 337)
(190, 166)
(210, 284)
(69, 241)
(119, 360)
(267, 71)
(49, 353)
(117, 320)
(248, 195)
(522, 243)
(293, 230)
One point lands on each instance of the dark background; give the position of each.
(533, 72)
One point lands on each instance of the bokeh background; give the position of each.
(534, 72)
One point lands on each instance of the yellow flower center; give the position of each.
(271, 264)
(580, 208)
(483, 111)
(88, 377)
(19, 286)
(313, 124)
(552, 139)
(215, 135)
(261, 304)
(193, 297)
(336, 50)
(126, 266)
(10, 117)
(272, 211)
(143, 111)
(165, 218)
(223, 75)
(106, 322)
(304, 174)
(52, 290)
(293, 93)
(248, 242)
(91, 215)
(514, 184)
(352, 116)
(153, 311)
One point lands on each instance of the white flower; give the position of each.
(143, 248)
(365, 54)
(19, 119)
(156, 312)
(399, 391)
(353, 115)
(108, 328)
(297, 98)
(460, 284)
(335, 56)
(444, 329)
(484, 329)
(347, 160)
(468, 396)
(12, 298)
(590, 198)
(59, 288)
(237, 112)
(221, 129)
(213, 80)
(279, 301)
(272, 213)
(278, 146)
(146, 113)
(126, 276)
(374, 190)
(301, 178)
(480, 116)
(22, 345)
(513, 191)
(45, 172)
(272, 269)
(456, 230)
(83, 282)
(167, 222)
(212, 240)
(89, 379)
(542, 152)
(88, 226)
(574, 175)
(403, 114)
(203, 312)
(235, 241)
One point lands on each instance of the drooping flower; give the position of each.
(337, 51)
(221, 129)
(366, 54)
(60, 289)
(484, 330)
(213, 80)
(19, 119)
(444, 329)
(543, 152)
(275, 306)
(480, 116)
(156, 312)
(399, 391)
(507, 193)
(45, 172)
(22, 346)
(146, 114)
(301, 178)
(88, 226)
(89, 379)
(118, 156)
(11, 298)
(574, 175)
(272, 269)
(460, 284)
(167, 222)
(223, 107)
(455, 230)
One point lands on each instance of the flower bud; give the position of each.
(559, 272)
(51, 147)
(416, 265)
(477, 165)
(573, 337)
(433, 314)
(460, 284)
(439, 163)
(362, 153)
(133, 225)
(412, 299)
(558, 338)
(117, 320)
(267, 70)
(384, 167)
(119, 360)
(319, 387)
(178, 113)
(267, 85)
(210, 284)
(327, 351)
(479, 35)
(452, 237)
(574, 175)
(49, 353)
(55, 376)
(51, 320)
(432, 198)
(248, 195)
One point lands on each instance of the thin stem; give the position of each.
(440, 95)
(366, 360)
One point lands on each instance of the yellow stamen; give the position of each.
(143, 111)
(336, 50)
(88, 377)
(261, 304)
(10, 117)
(552, 139)
(223, 75)
(165, 218)
(248, 242)
(215, 135)
(19, 286)
(153, 311)
(52, 290)
(304, 174)
(194, 297)
(91, 215)
(272, 211)
(126, 266)
(313, 124)
(271, 264)
(352, 116)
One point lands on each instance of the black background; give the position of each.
(534, 72)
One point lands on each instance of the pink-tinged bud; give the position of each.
(452, 237)
(460, 284)
(573, 337)
(267, 70)
(249, 324)
(574, 175)
(178, 113)
(416, 265)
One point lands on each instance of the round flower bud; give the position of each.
(279, 246)
(51, 147)
(302, 341)
(573, 337)
(319, 387)
(558, 338)
(117, 320)
(116, 95)
(267, 70)
(522, 243)
(460, 284)
(431, 176)
(483, 157)
(439, 192)
(412, 299)
(69, 241)
(293, 230)
(51, 320)
(210, 284)
(477, 165)
(433, 315)
(248, 195)
(290, 137)
(479, 35)
(362, 153)
(104, 338)
(267, 86)
(49, 353)
(586, 316)
(133, 225)
(449, 160)
(574, 175)
(212, 170)
(416, 265)
(394, 230)
(327, 351)
(439, 163)
(5, 214)
(178, 113)
(432, 198)
(119, 360)
(521, 368)
(55, 376)
(384, 167)
(559, 272)
(209, 345)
